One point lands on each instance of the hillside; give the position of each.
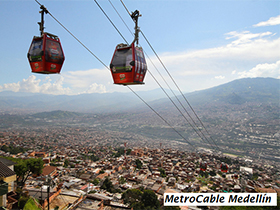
(236, 92)
(242, 116)
(241, 91)
(86, 103)
(56, 115)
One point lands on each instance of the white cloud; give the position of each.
(245, 50)
(95, 88)
(68, 83)
(219, 77)
(245, 37)
(31, 84)
(248, 49)
(262, 70)
(88, 81)
(271, 22)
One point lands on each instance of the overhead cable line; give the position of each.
(161, 76)
(161, 117)
(74, 37)
(178, 88)
(110, 21)
(164, 81)
(172, 90)
(145, 53)
(125, 7)
(121, 17)
(109, 69)
(178, 109)
(196, 131)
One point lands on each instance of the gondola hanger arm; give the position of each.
(41, 24)
(134, 17)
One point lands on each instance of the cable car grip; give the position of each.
(134, 17)
(41, 24)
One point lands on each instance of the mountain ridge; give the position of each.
(261, 90)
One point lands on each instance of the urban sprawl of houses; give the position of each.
(73, 173)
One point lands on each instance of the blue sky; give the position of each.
(202, 43)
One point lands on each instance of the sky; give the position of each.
(202, 43)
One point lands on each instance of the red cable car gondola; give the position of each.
(203, 166)
(224, 168)
(128, 65)
(45, 54)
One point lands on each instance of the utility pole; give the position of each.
(48, 197)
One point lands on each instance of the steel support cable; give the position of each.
(74, 37)
(120, 17)
(178, 88)
(166, 83)
(177, 106)
(170, 87)
(110, 21)
(161, 117)
(126, 41)
(125, 7)
(109, 70)
(180, 104)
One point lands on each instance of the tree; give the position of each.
(11, 149)
(120, 152)
(95, 182)
(107, 185)
(66, 163)
(162, 172)
(132, 196)
(22, 201)
(26, 168)
(122, 180)
(150, 200)
(138, 163)
(138, 206)
(128, 151)
(141, 200)
(94, 158)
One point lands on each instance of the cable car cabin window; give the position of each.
(53, 52)
(142, 61)
(139, 58)
(35, 53)
(121, 61)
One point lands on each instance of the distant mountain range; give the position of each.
(86, 103)
(241, 91)
(237, 92)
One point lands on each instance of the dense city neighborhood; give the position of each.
(82, 171)
(88, 154)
